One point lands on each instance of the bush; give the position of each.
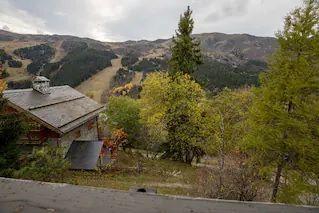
(112, 143)
(44, 164)
(237, 181)
(11, 128)
(123, 113)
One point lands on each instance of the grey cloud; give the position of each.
(75, 16)
(120, 20)
(147, 20)
(228, 9)
(5, 27)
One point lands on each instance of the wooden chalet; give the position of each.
(56, 115)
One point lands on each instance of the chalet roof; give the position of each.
(62, 110)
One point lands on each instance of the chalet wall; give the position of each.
(88, 131)
(39, 135)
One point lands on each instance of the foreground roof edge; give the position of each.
(97, 199)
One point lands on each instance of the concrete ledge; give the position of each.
(33, 196)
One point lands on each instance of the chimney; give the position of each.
(41, 84)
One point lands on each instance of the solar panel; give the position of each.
(84, 154)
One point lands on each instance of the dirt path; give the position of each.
(97, 84)
(59, 52)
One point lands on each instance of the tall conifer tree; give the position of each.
(186, 53)
(285, 115)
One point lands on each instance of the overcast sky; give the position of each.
(119, 20)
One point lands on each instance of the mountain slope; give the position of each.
(64, 59)
(100, 82)
(231, 60)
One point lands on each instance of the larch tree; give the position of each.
(284, 118)
(186, 53)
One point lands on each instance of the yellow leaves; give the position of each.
(173, 101)
(3, 85)
(123, 90)
(112, 143)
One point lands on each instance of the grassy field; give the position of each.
(168, 177)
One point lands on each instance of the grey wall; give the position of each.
(82, 132)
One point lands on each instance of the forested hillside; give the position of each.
(230, 60)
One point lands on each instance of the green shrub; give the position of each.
(123, 113)
(45, 164)
(11, 128)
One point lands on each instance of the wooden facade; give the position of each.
(57, 116)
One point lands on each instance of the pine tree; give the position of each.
(186, 53)
(284, 118)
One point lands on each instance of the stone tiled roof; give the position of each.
(62, 110)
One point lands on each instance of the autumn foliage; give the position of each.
(3, 86)
(122, 90)
(112, 143)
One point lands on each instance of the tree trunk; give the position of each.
(221, 154)
(277, 182)
(189, 156)
(280, 164)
